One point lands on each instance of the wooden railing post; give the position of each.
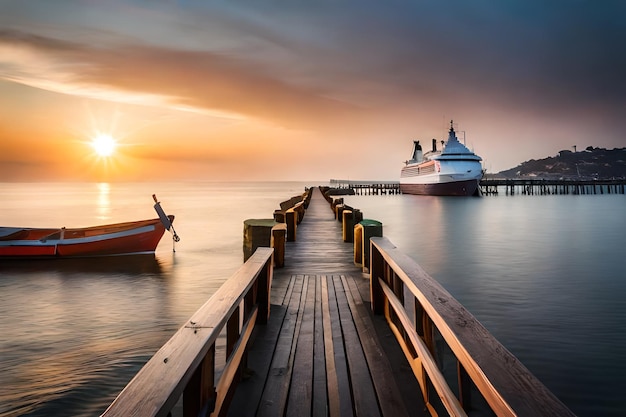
(422, 377)
(377, 270)
(264, 285)
(249, 301)
(232, 330)
(199, 394)
(465, 387)
(418, 313)
(279, 233)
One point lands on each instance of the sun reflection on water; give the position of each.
(104, 200)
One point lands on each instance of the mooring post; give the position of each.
(279, 236)
(291, 218)
(371, 228)
(377, 270)
(256, 233)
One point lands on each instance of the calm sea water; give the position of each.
(545, 274)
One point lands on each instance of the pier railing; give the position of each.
(432, 328)
(185, 365)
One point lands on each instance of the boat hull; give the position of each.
(115, 239)
(455, 188)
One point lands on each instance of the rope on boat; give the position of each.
(166, 222)
(175, 238)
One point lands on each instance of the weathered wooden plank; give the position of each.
(274, 398)
(263, 286)
(320, 396)
(250, 389)
(329, 353)
(301, 389)
(282, 286)
(387, 391)
(280, 289)
(249, 392)
(364, 395)
(343, 390)
(287, 296)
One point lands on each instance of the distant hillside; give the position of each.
(598, 163)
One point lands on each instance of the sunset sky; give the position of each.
(301, 90)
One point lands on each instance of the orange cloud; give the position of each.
(212, 83)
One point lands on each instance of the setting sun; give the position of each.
(104, 144)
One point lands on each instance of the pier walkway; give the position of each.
(302, 340)
(322, 351)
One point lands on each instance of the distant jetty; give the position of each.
(352, 187)
(538, 186)
(495, 186)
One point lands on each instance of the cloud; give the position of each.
(295, 64)
(217, 83)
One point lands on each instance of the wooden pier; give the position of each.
(528, 186)
(368, 187)
(320, 353)
(321, 337)
(495, 186)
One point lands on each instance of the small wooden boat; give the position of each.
(113, 239)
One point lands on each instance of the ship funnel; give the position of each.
(434, 145)
(417, 151)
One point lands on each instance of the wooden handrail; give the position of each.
(186, 363)
(507, 386)
(424, 358)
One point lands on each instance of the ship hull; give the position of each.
(454, 188)
(455, 178)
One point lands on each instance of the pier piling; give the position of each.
(256, 233)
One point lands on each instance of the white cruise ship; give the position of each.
(453, 170)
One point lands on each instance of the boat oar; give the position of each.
(165, 220)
